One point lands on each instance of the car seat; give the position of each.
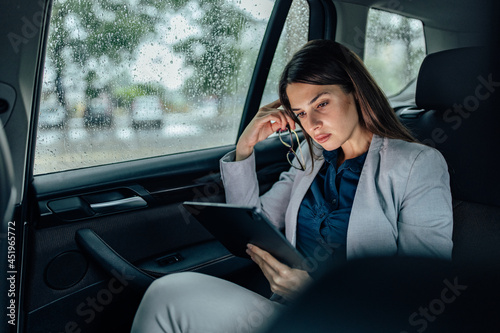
(455, 113)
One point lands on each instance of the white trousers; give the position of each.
(194, 303)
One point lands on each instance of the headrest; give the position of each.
(452, 77)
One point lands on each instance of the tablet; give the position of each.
(236, 226)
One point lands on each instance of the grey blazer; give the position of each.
(402, 205)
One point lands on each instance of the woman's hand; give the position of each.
(284, 281)
(268, 120)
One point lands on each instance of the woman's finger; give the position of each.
(264, 256)
(276, 120)
(269, 272)
(287, 120)
(291, 121)
(283, 120)
(283, 280)
(257, 257)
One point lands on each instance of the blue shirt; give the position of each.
(324, 213)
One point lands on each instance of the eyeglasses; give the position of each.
(291, 156)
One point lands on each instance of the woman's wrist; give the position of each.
(243, 153)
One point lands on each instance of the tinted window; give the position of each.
(142, 78)
(293, 37)
(394, 49)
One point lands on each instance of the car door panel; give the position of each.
(132, 210)
(154, 233)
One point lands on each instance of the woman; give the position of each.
(367, 189)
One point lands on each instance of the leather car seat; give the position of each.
(456, 96)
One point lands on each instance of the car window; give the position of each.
(394, 50)
(125, 79)
(292, 38)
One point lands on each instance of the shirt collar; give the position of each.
(353, 164)
(331, 156)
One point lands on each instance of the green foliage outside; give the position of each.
(125, 95)
(111, 31)
(214, 55)
(114, 29)
(109, 28)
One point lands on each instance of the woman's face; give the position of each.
(326, 113)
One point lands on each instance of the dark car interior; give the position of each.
(475, 212)
(84, 243)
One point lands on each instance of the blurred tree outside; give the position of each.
(109, 32)
(85, 31)
(214, 54)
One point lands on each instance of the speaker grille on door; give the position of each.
(66, 270)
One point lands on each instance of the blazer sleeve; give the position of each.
(425, 221)
(242, 188)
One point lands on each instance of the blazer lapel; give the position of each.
(365, 195)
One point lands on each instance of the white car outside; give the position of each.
(147, 110)
(52, 116)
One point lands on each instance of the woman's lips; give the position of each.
(322, 138)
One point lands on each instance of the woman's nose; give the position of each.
(315, 122)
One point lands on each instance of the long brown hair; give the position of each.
(325, 62)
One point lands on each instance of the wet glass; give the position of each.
(292, 38)
(394, 50)
(142, 78)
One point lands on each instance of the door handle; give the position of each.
(108, 259)
(118, 205)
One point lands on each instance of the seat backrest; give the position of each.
(455, 113)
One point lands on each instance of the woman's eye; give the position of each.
(300, 114)
(322, 105)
